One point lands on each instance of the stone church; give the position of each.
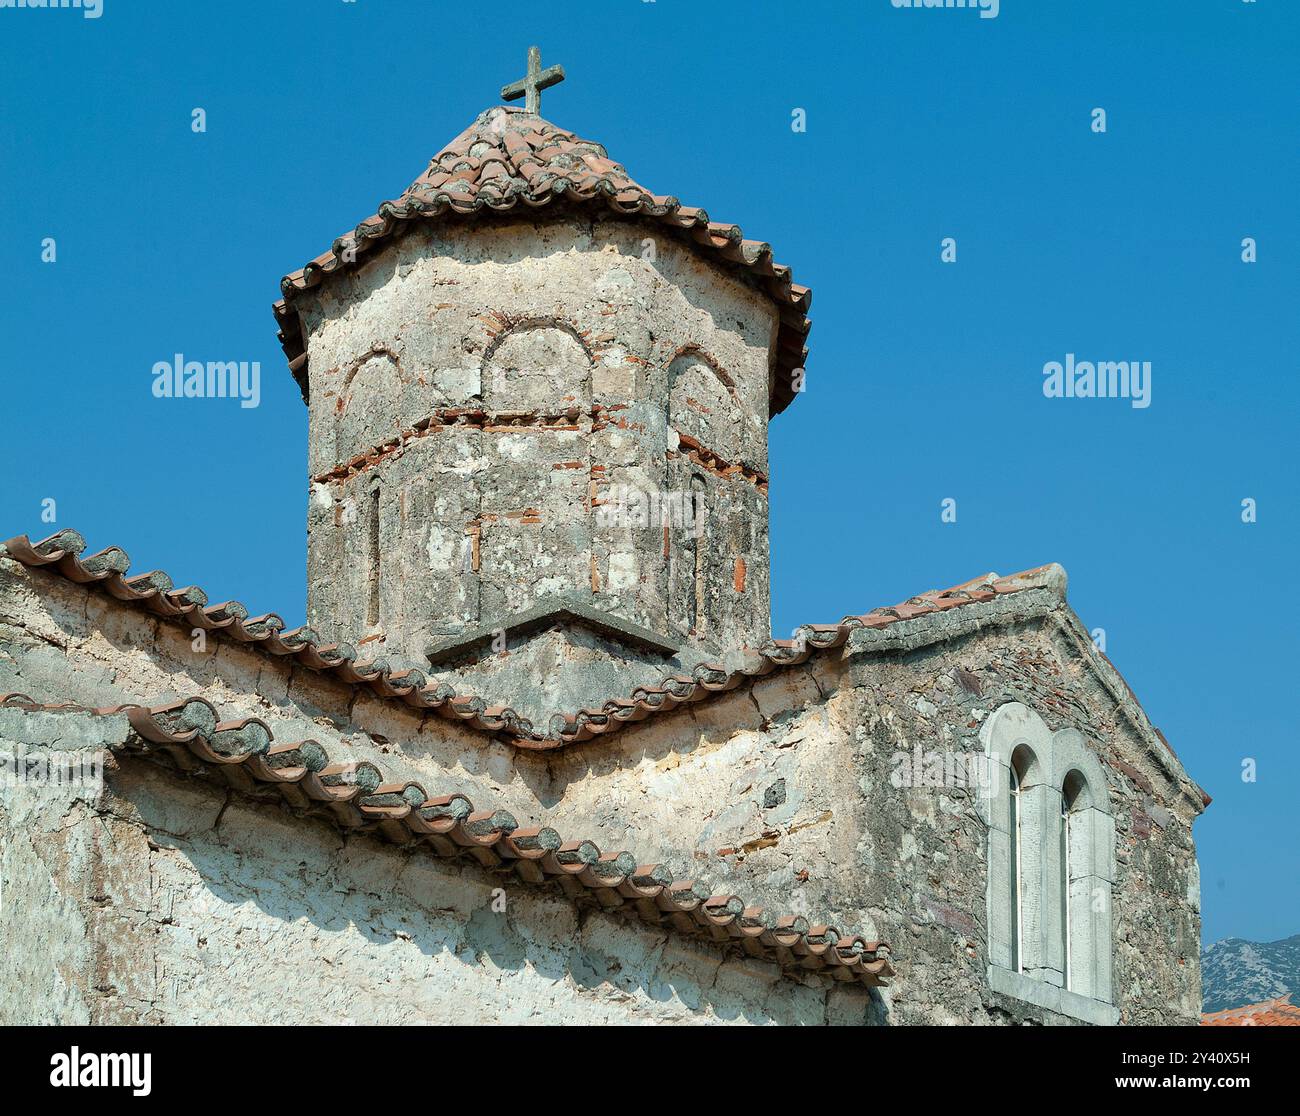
(536, 758)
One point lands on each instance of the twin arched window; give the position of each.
(1051, 857)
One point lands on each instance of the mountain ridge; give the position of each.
(1237, 971)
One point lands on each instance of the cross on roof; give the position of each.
(530, 87)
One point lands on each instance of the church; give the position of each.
(535, 757)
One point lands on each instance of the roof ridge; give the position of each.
(359, 796)
(108, 569)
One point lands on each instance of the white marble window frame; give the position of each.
(1040, 977)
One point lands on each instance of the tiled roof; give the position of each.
(1280, 1012)
(511, 162)
(357, 796)
(108, 570)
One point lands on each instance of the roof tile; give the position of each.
(60, 553)
(357, 796)
(508, 158)
(1280, 1012)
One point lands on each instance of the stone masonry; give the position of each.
(538, 409)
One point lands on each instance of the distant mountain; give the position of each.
(1235, 972)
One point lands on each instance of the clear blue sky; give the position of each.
(925, 380)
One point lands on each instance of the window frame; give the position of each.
(1050, 882)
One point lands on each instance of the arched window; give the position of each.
(1063, 885)
(1020, 764)
(1013, 831)
(1087, 869)
(1051, 843)
(1016, 862)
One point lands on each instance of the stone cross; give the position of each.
(530, 87)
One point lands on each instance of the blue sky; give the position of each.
(925, 379)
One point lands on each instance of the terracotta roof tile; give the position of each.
(1280, 1012)
(60, 553)
(242, 752)
(509, 160)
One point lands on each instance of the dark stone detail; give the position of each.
(475, 645)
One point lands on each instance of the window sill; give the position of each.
(1071, 1004)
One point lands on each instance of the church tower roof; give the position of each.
(511, 162)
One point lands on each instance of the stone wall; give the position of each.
(495, 388)
(782, 791)
(158, 901)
